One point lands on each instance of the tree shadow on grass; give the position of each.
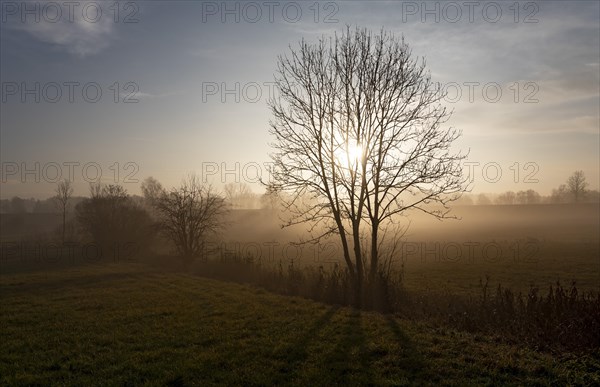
(349, 359)
(357, 359)
(297, 353)
(409, 362)
(350, 362)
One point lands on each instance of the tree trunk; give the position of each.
(64, 224)
(374, 253)
(347, 252)
(358, 286)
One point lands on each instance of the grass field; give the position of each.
(545, 264)
(130, 324)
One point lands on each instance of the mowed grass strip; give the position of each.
(131, 325)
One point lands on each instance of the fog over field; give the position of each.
(299, 193)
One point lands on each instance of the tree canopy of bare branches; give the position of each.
(187, 214)
(239, 195)
(358, 130)
(577, 185)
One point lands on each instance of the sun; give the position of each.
(350, 156)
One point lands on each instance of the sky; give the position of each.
(117, 92)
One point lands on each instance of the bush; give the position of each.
(111, 219)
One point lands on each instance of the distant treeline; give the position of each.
(240, 195)
(18, 205)
(249, 200)
(573, 191)
(528, 197)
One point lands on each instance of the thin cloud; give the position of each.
(78, 36)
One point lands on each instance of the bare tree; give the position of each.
(188, 215)
(358, 130)
(528, 197)
(270, 200)
(560, 194)
(577, 185)
(239, 195)
(64, 191)
(151, 189)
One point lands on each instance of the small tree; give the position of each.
(188, 215)
(560, 194)
(239, 195)
(577, 185)
(270, 200)
(152, 189)
(533, 197)
(64, 191)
